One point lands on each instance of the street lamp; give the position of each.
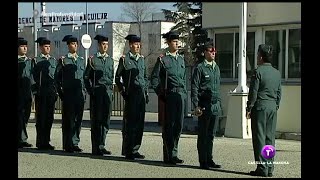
(98, 26)
(77, 28)
(45, 30)
(57, 30)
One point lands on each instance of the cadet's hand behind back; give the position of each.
(248, 115)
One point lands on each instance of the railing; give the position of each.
(57, 109)
(117, 105)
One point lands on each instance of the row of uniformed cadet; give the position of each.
(69, 78)
(47, 78)
(168, 80)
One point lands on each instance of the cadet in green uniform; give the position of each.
(25, 66)
(168, 81)
(45, 93)
(70, 86)
(98, 81)
(134, 89)
(262, 106)
(205, 96)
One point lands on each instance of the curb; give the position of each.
(288, 136)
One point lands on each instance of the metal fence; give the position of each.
(117, 105)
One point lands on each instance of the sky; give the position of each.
(113, 9)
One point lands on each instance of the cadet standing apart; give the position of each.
(262, 106)
(134, 89)
(168, 81)
(70, 86)
(45, 93)
(25, 66)
(98, 81)
(205, 96)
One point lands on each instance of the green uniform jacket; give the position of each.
(265, 85)
(206, 86)
(99, 72)
(132, 68)
(43, 73)
(69, 73)
(176, 73)
(25, 78)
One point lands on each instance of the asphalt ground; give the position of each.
(235, 156)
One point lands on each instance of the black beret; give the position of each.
(42, 41)
(22, 41)
(100, 38)
(171, 35)
(133, 38)
(69, 38)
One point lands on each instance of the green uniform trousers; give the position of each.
(173, 124)
(100, 111)
(72, 114)
(207, 127)
(263, 125)
(45, 105)
(133, 126)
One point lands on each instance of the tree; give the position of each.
(120, 30)
(188, 19)
(138, 12)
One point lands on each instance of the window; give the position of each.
(227, 58)
(250, 63)
(294, 53)
(286, 43)
(286, 51)
(277, 39)
(224, 44)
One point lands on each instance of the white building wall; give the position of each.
(217, 15)
(225, 17)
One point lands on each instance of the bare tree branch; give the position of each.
(138, 12)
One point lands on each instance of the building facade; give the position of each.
(152, 43)
(151, 40)
(277, 24)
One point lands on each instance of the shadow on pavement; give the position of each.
(119, 158)
(160, 163)
(76, 154)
